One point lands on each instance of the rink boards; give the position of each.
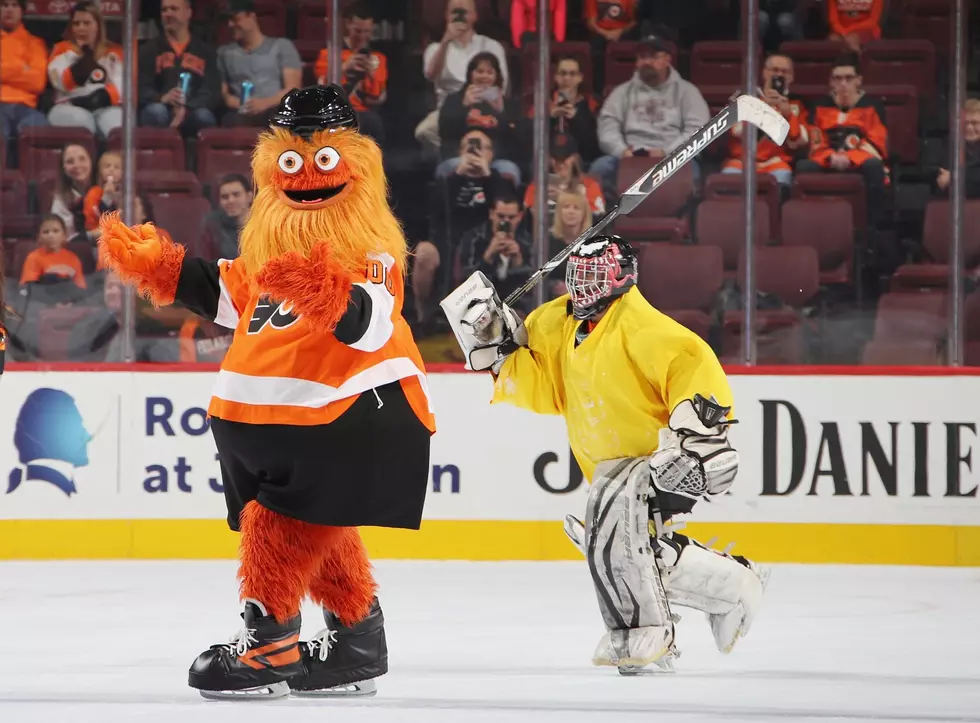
(837, 466)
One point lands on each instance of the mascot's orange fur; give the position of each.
(322, 378)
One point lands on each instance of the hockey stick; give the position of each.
(745, 108)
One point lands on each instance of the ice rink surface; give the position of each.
(474, 642)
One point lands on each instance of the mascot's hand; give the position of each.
(318, 287)
(141, 256)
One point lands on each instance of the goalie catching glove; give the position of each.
(695, 458)
(486, 328)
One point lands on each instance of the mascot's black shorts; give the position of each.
(369, 467)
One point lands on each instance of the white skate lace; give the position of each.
(240, 641)
(322, 642)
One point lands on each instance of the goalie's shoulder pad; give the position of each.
(700, 417)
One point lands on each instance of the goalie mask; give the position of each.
(602, 269)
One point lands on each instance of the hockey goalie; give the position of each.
(648, 410)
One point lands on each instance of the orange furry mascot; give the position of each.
(320, 411)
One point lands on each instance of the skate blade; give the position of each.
(363, 688)
(272, 691)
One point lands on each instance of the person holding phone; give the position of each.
(481, 104)
(364, 73)
(777, 76)
(445, 64)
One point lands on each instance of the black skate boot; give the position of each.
(342, 661)
(256, 664)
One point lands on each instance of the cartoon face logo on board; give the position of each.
(51, 441)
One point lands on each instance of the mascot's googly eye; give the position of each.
(290, 162)
(327, 158)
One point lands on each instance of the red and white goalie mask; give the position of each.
(603, 268)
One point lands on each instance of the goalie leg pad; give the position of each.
(624, 569)
(727, 589)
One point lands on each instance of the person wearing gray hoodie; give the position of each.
(651, 114)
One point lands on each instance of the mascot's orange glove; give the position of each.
(318, 287)
(142, 257)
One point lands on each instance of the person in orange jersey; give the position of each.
(855, 21)
(322, 372)
(23, 58)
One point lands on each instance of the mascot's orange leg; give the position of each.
(279, 558)
(344, 584)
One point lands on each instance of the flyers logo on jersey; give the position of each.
(271, 313)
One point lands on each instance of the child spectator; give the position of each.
(566, 175)
(524, 21)
(51, 262)
(480, 104)
(854, 21)
(107, 195)
(86, 73)
(74, 182)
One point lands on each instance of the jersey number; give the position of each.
(378, 274)
(271, 313)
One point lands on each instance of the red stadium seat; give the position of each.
(682, 282)
(39, 148)
(168, 183)
(911, 316)
(669, 200)
(718, 62)
(620, 62)
(156, 148)
(929, 20)
(732, 186)
(828, 227)
(312, 25)
(936, 236)
(910, 61)
(225, 150)
(901, 104)
(833, 186)
(721, 223)
(181, 217)
(890, 353)
(641, 229)
(812, 60)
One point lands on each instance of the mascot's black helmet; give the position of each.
(305, 111)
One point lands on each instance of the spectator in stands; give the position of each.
(608, 21)
(500, 247)
(971, 165)
(566, 176)
(23, 58)
(107, 195)
(203, 341)
(649, 115)
(854, 21)
(73, 183)
(161, 63)
(573, 109)
(481, 104)
(786, 16)
(445, 65)
(848, 133)
(365, 69)
(271, 65)
(572, 217)
(51, 262)
(524, 21)
(777, 76)
(473, 183)
(86, 73)
(219, 234)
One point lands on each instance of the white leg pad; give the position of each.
(718, 585)
(624, 569)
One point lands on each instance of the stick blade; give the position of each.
(762, 116)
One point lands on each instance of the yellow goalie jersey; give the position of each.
(617, 388)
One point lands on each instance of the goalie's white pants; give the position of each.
(727, 591)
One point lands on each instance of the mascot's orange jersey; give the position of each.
(280, 371)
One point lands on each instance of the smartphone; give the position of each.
(474, 146)
(778, 84)
(503, 227)
(491, 94)
(364, 51)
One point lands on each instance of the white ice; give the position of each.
(474, 642)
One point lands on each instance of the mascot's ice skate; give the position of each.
(648, 408)
(320, 411)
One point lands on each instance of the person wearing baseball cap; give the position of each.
(649, 115)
